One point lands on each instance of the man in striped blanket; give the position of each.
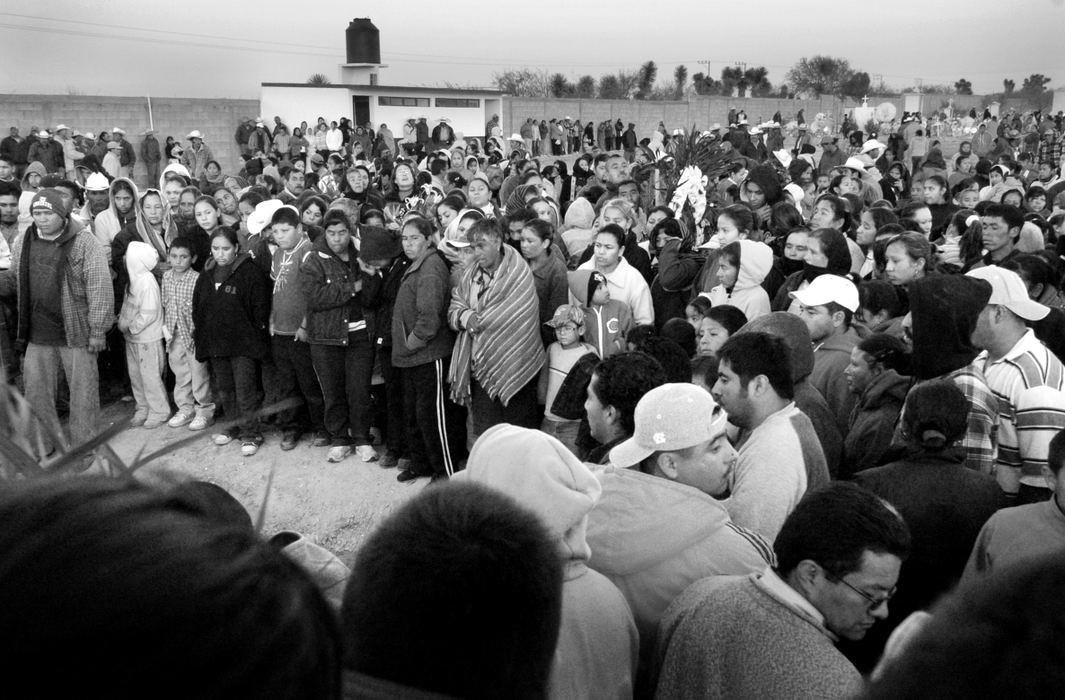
(498, 354)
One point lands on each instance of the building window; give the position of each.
(403, 101)
(456, 102)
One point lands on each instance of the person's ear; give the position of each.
(838, 318)
(1050, 478)
(1036, 291)
(807, 576)
(664, 463)
(612, 414)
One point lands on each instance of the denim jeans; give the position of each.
(41, 369)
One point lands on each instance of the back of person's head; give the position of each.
(1034, 270)
(674, 360)
(728, 316)
(996, 636)
(460, 567)
(1056, 455)
(621, 381)
(835, 525)
(876, 296)
(680, 332)
(752, 354)
(886, 351)
(936, 415)
(199, 606)
(704, 371)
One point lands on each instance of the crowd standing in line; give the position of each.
(801, 447)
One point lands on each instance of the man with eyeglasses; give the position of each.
(774, 634)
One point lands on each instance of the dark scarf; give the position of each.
(63, 241)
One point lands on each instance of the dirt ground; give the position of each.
(336, 505)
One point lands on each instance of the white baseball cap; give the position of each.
(1009, 290)
(829, 288)
(668, 418)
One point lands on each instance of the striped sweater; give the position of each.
(1028, 382)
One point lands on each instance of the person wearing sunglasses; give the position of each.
(775, 633)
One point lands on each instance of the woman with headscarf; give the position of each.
(153, 225)
(358, 187)
(498, 355)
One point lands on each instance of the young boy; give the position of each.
(192, 379)
(608, 320)
(141, 323)
(562, 355)
(294, 375)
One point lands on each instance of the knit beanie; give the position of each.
(50, 200)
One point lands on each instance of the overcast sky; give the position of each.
(226, 48)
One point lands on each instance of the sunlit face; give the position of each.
(358, 180)
(567, 334)
(815, 255)
(48, 222)
(338, 237)
(995, 177)
(403, 178)
(1036, 203)
(226, 202)
(607, 252)
(172, 192)
(654, 218)
(613, 215)
(286, 236)
(849, 185)
(726, 272)
(824, 216)
(730, 391)
(123, 202)
(206, 216)
(223, 252)
(615, 169)
(152, 206)
(901, 269)
(180, 259)
(464, 225)
(968, 198)
(631, 192)
(818, 321)
(544, 211)
(187, 206)
(478, 193)
(532, 246)
(601, 295)
(727, 231)
(860, 372)
(312, 215)
(414, 243)
(755, 195)
(795, 246)
(866, 234)
(213, 171)
(995, 232)
(600, 424)
(712, 335)
(487, 252)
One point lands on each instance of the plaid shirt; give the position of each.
(1049, 150)
(177, 306)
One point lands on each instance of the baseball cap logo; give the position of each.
(43, 204)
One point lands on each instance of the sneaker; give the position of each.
(407, 475)
(249, 446)
(338, 453)
(201, 423)
(289, 440)
(138, 419)
(366, 453)
(179, 419)
(321, 439)
(388, 459)
(222, 439)
(153, 424)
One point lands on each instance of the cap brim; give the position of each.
(629, 454)
(1028, 309)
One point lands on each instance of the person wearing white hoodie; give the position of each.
(741, 269)
(597, 642)
(141, 323)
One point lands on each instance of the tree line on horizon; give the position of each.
(811, 76)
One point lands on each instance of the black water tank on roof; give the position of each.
(364, 41)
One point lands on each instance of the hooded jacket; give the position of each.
(142, 306)
(578, 227)
(747, 295)
(606, 325)
(654, 537)
(25, 218)
(139, 229)
(231, 318)
(109, 222)
(598, 643)
(831, 357)
(807, 399)
(873, 420)
(337, 294)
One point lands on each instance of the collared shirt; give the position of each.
(788, 595)
(1028, 382)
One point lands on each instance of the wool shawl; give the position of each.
(507, 353)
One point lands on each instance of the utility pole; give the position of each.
(742, 65)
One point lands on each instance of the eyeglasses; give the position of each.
(874, 603)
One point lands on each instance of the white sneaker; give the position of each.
(338, 453)
(179, 419)
(366, 453)
(201, 423)
(222, 439)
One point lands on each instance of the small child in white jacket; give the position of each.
(141, 323)
(742, 267)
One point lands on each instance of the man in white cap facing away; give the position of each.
(1027, 379)
(197, 155)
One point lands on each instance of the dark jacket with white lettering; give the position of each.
(232, 320)
(338, 294)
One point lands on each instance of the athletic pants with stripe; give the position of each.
(436, 426)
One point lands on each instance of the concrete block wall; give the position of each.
(172, 116)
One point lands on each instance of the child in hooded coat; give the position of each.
(742, 267)
(141, 323)
(606, 321)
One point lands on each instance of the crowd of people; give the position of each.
(752, 454)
